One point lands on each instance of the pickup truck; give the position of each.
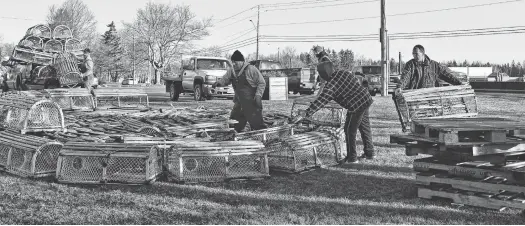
(197, 76)
(300, 80)
(371, 75)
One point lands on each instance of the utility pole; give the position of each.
(133, 67)
(384, 55)
(258, 12)
(400, 66)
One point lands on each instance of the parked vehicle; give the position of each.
(129, 81)
(392, 84)
(197, 76)
(300, 80)
(371, 75)
(463, 77)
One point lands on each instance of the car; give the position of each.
(95, 82)
(392, 84)
(129, 81)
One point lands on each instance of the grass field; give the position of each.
(379, 191)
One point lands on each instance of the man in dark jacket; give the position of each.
(364, 126)
(249, 86)
(422, 72)
(344, 88)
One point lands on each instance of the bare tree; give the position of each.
(168, 32)
(77, 16)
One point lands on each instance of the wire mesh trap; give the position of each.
(30, 114)
(332, 114)
(27, 155)
(72, 99)
(439, 102)
(101, 163)
(301, 152)
(194, 162)
(266, 135)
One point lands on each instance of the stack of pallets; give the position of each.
(475, 161)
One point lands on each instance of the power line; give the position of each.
(243, 19)
(17, 18)
(399, 14)
(299, 3)
(220, 20)
(239, 46)
(368, 35)
(239, 36)
(308, 7)
(239, 42)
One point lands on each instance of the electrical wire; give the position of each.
(308, 7)
(394, 15)
(231, 40)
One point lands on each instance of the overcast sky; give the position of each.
(496, 48)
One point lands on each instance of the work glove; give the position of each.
(258, 102)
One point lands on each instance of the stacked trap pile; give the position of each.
(53, 52)
(475, 161)
(72, 99)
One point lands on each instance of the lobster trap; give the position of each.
(75, 47)
(28, 156)
(266, 135)
(53, 46)
(304, 151)
(23, 54)
(66, 65)
(140, 127)
(72, 99)
(62, 32)
(30, 114)
(40, 30)
(439, 102)
(224, 134)
(32, 42)
(194, 162)
(132, 97)
(101, 163)
(332, 114)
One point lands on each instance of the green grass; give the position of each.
(380, 191)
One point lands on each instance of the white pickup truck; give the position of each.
(197, 76)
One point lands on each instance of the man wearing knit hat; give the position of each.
(249, 86)
(345, 89)
(364, 126)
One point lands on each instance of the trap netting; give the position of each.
(100, 163)
(72, 99)
(132, 97)
(62, 32)
(28, 156)
(53, 46)
(332, 114)
(141, 127)
(266, 135)
(75, 47)
(30, 114)
(304, 151)
(438, 102)
(194, 162)
(32, 42)
(40, 30)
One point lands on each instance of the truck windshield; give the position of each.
(371, 70)
(269, 65)
(211, 64)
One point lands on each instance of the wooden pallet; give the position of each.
(513, 172)
(499, 201)
(458, 130)
(489, 184)
(415, 145)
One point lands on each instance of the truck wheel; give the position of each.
(373, 93)
(174, 93)
(197, 92)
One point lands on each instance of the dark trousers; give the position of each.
(247, 112)
(354, 121)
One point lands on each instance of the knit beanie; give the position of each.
(237, 56)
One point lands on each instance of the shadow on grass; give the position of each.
(339, 194)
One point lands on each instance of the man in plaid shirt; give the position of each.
(345, 89)
(364, 126)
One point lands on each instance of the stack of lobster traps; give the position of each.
(49, 49)
(475, 161)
